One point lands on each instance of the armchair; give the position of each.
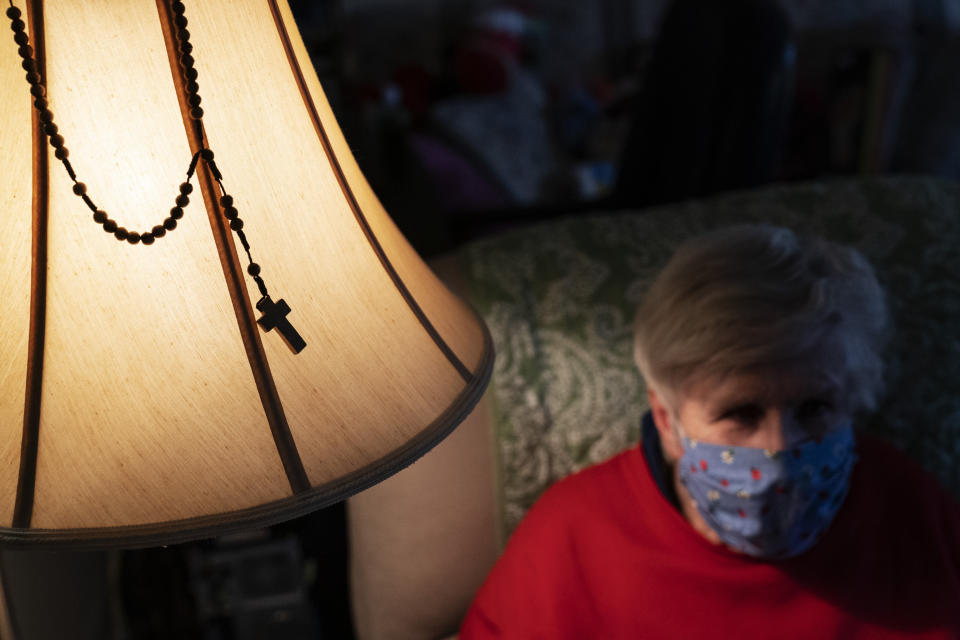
(559, 298)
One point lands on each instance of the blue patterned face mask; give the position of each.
(770, 504)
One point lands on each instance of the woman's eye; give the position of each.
(813, 410)
(745, 415)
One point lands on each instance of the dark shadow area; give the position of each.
(288, 581)
(714, 106)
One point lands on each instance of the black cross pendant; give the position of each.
(275, 316)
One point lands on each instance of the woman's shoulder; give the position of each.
(590, 483)
(894, 481)
(592, 498)
(888, 464)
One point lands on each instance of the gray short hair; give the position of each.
(754, 296)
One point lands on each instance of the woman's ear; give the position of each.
(663, 419)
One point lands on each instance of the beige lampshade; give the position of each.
(140, 402)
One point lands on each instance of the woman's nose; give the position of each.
(783, 430)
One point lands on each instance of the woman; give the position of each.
(750, 509)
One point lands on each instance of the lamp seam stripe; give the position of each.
(464, 372)
(30, 443)
(233, 274)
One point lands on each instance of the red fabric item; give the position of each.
(483, 68)
(603, 554)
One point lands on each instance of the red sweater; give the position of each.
(603, 554)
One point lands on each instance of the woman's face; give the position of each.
(772, 409)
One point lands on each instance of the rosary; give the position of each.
(274, 313)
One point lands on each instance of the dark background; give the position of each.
(469, 115)
(472, 116)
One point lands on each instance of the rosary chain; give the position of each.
(40, 103)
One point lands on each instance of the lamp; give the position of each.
(181, 213)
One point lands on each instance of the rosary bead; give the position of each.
(186, 60)
(21, 38)
(186, 188)
(253, 269)
(41, 104)
(182, 200)
(178, 8)
(121, 233)
(183, 35)
(25, 51)
(99, 216)
(181, 21)
(190, 73)
(176, 213)
(13, 13)
(207, 155)
(33, 77)
(56, 141)
(170, 224)
(79, 188)
(158, 231)
(193, 86)
(193, 99)
(147, 238)
(236, 224)
(133, 237)
(50, 129)
(18, 25)
(61, 154)
(186, 47)
(196, 113)
(46, 115)
(230, 213)
(109, 225)
(226, 201)
(37, 91)
(28, 65)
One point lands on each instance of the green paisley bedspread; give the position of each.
(559, 299)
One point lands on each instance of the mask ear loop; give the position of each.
(678, 431)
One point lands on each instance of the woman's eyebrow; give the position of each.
(736, 404)
(759, 399)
